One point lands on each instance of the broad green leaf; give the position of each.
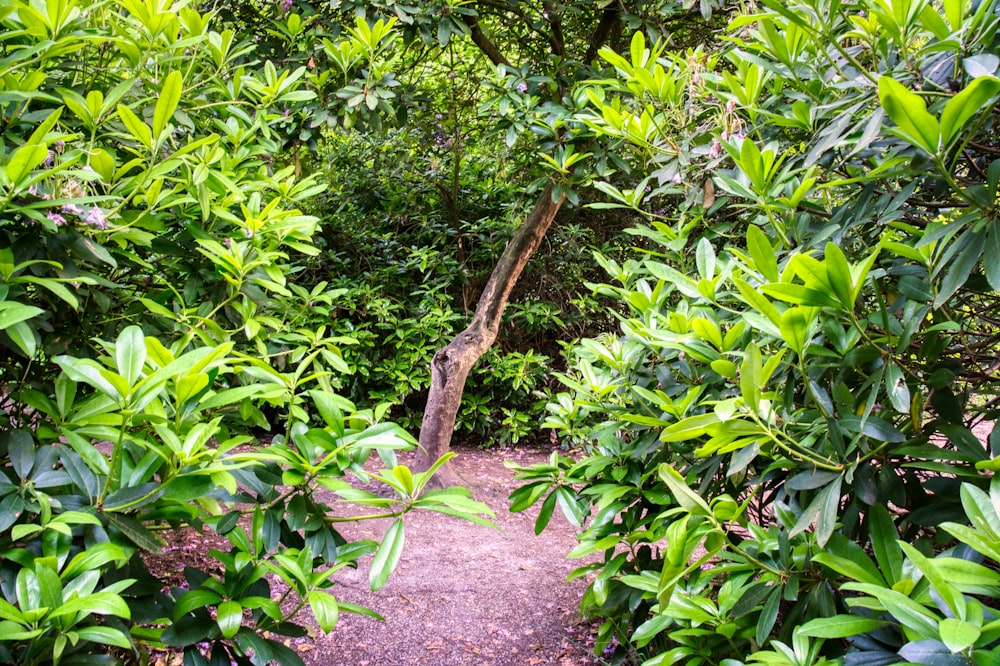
(897, 389)
(905, 610)
(838, 272)
(136, 532)
(958, 635)
(974, 100)
(103, 635)
(800, 295)
(387, 556)
(23, 161)
(689, 428)
(325, 609)
(687, 498)
(166, 103)
(130, 354)
(751, 379)
(839, 626)
(12, 312)
(229, 618)
(545, 513)
(796, 325)
(649, 629)
(98, 603)
(884, 539)
(768, 615)
(907, 109)
(24, 337)
(762, 253)
(945, 590)
(21, 452)
(136, 127)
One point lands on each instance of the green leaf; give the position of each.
(12, 312)
(751, 372)
(24, 337)
(974, 100)
(839, 626)
(99, 603)
(945, 590)
(768, 615)
(130, 354)
(166, 103)
(838, 272)
(906, 611)
(139, 129)
(24, 160)
(545, 514)
(689, 428)
(21, 451)
(325, 609)
(907, 109)
(884, 543)
(958, 635)
(798, 294)
(193, 599)
(762, 253)
(103, 635)
(649, 629)
(795, 327)
(387, 556)
(136, 532)
(229, 618)
(687, 498)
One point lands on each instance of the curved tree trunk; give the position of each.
(452, 363)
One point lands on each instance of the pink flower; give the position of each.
(95, 218)
(58, 219)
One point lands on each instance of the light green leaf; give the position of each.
(130, 354)
(387, 556)
(324, 608)
(687, 498)
(24, 160)
(136, 127)
(103, 635)
(907, 109)
(838, 272)
(795, 327)
(762, 253)
(958, 635)
(689, 428)
(972, 101)
(12, 312)
(839, 626)
(166, 103)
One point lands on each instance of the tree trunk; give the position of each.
(452, 363)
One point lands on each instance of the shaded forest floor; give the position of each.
(465, 594)
(462, 595)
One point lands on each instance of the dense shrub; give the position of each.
(807, 346)
(147, 238)
(409, 257)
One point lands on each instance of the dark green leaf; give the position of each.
(768, 616)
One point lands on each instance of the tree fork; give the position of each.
(452, 363)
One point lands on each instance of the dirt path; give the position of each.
(465, 594)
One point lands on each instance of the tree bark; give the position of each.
(452, 363)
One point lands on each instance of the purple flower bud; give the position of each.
(57, 218)
(522, 87)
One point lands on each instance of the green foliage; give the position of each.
(410, 258)
(151, 331)
(803, 345)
